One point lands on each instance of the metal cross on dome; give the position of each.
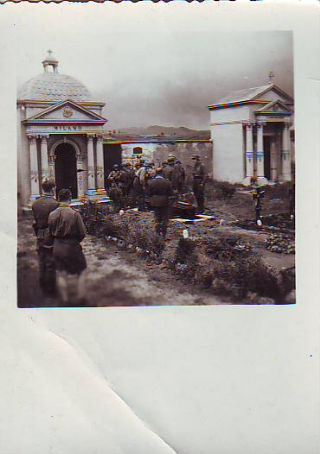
(49, 53)
(271, 76)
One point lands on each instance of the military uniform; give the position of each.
(41, 208)
(116, 181)
(179, 177)
(167, 171)
(67, 229)
(199, 180)
(139, 187)
(129, 177)
(160, 192)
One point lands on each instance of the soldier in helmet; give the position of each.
(41, 208)
(67, 230)
(199, 180)
(129, 177)
(139, 185)
(179, 176)
(115, 189)
(160, 193)
(167, 171)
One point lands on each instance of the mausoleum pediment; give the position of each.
(274, 107)
(66, 112)
(258, 95)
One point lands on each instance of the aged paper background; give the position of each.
(186, 380)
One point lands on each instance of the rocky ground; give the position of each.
(112, 278)
(116, 277)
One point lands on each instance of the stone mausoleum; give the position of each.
(60, 134)
(252, 135)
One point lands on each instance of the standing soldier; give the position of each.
(164, 166)
(199, 181)
(160, 192)
(129, 177)
(258, 195)
(67, 229)
(180, 176)
(139, 185)
(169, 168)
(291, 194)
(115, 191)
(41, 208)
(113, 175)
(122, 184)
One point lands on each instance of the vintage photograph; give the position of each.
(155, 167)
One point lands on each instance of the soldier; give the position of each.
(199, 180)
(129, 172)
(167, 171)
(258, 195)
(41, 208)
(67, 230)
(139, 185)
(291, 194)
(174, 172)
(129, 177)
(115, 189)
(160, 192)
(180, 176)
(113, 175)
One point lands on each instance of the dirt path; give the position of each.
(112, 278)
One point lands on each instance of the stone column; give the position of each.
(51, 165)
(81, 176)
(273, 161)
(34, 172)
(91, 178)
(100, 166)
(260, 155)
(286, 154)
(249, 154)
(44, 157)
(85, 173)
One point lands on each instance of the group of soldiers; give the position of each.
(128, 184)
(60, 229)
(158, 187)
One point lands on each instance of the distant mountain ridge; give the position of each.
(156, 130)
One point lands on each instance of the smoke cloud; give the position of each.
(149, 70)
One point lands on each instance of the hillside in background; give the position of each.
(159, 131)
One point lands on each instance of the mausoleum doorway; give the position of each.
(66, 168)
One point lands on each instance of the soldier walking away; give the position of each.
(67, 229)
(41, 208)
(160, 193)
(199, 181)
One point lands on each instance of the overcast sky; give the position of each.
(149, 66)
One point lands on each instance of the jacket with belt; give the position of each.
(68, 230)
(41, 208)
(159, 191)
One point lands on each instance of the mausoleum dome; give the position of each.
(53, 86)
